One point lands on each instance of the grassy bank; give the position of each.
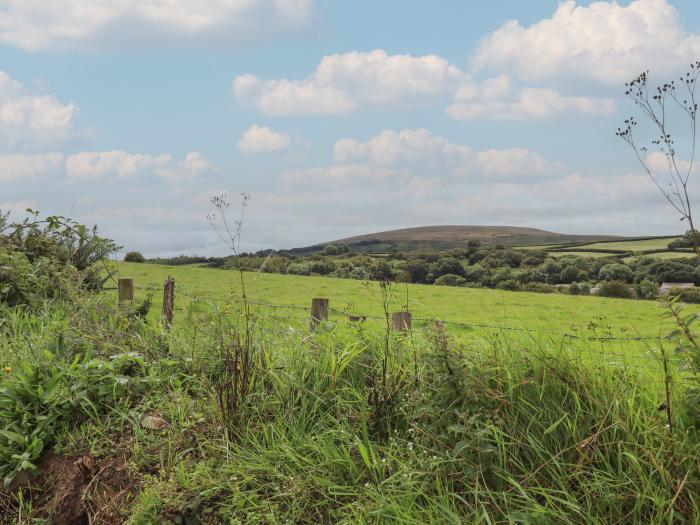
(335, 426)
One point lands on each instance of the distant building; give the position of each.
(667, 287)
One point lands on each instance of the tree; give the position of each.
(616, 272)
(331, 249)
(134, 257)
(668, 169)
(686, 241)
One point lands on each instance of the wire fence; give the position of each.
(639, 351)
(423, 320)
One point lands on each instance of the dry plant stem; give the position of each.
(656, 108)
(667, 387)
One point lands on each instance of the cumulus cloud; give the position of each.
(121, 164)
(78, 25)
(420, 152)
(604, 41)
(25, 167)
(408, 145)
(513, 162)
(344, 83)
(31, 121)
(261, 139)
(527, 104)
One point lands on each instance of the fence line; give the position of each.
(461, 324)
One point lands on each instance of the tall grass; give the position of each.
(505, 429)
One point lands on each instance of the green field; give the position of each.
(581, 254)
(556, 312)
(228, 417)
(472, 314)
(664, 256)
(633, 246)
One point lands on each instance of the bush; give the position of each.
(686, 295)
(450, 279)
(44, 257)
(508, 284)
(686, 241)
(331, 249)
(579, 289)
(27, 283)
(445, 266)
(618, 289)
(616, 272)
(647, 289)
(539, 288)
(134, 257)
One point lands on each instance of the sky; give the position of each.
(336, 117)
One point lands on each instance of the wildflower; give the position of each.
(7, 369)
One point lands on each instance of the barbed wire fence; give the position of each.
(640, 347)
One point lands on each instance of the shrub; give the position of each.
(331, 249)
(474, 273)
(618, 289)
(450, 279)
(647, 289)
(686, 241)
(27, 283)
(539, 288)
(579, 289)
(508, 284)
(686, 295)
(134, 257)
(616, 272)
(569, 274)
(447, 265)
(57, 250)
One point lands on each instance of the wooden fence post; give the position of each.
(126, 290)
(169, 300)
(319, 311)
(401, 321)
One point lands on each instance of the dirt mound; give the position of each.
(77, 490)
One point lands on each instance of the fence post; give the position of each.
(126, 289)
(319, 311)
(169, 300)
(401, 321)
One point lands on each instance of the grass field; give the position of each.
(580, 254)
(485, 312)
(633, 246)
(127, 421)
(556, 312)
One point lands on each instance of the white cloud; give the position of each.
(194, 165)
(261, 139)
(344, 83)
(25, 166)
(513, 162)
(19, 207)
(96, 165)
(120, 164)
(492, 99)
(408, 145)
(35, 25)
(604, 41)
(420, 152)
(29, 121)
(342, 175)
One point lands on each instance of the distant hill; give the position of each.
(453, 236)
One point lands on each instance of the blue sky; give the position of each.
(337, 117)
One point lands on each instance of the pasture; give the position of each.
(554, 312)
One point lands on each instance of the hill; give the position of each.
(454, 236)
